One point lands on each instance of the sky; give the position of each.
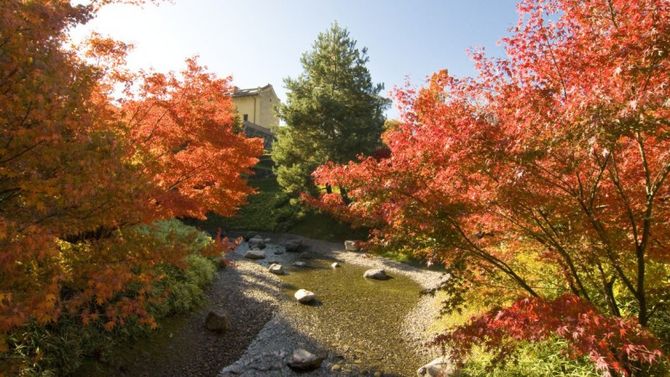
(260, 41)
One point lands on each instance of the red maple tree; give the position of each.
(543, 176)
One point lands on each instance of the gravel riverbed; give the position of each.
(267, 324)
(271, 348)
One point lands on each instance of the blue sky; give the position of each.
(261, 41)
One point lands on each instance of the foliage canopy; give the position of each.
(80, 169)
(543, 181)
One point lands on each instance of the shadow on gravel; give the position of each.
(356, 322)
(183, 347)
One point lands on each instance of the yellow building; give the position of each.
(256, 107)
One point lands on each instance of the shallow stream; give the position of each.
(357, 317)
(359, 323)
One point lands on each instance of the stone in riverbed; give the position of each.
(440, 367)
(304, 296)
(276, 269)
(335, 265)
(376, 273)
(351, 245)
(254, 254)
(303, 360)
(217, 321)
(257, 242)
(300, 264)
(293, 246)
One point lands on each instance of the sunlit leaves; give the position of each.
(545, 173)
(82, 172)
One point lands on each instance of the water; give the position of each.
(359, 318)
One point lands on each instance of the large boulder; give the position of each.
(254, 254)
(376, 273)
(440, 367)
(351, 245)
(303, 360)
(217, 321)
(276, 269)
(304, 296)
(293, 246)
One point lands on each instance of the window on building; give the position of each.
(245, 117)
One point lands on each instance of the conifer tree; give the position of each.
(334, 111)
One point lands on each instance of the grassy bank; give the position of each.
(271, 210)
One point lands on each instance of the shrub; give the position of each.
(184, 288)
(547, 358)
(58, 348)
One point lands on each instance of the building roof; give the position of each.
(237, 92)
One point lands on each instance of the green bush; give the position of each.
(185, 288)
(59, 348)
(541, 359)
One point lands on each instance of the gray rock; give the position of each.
(217, 321)
(276, 269)
(304, 296)
(279, 250)
(440, 367)
(300, 264)
(303, 360)
(293, 246)
(257, 242)
(351, 245)
(335, 265)
(254, 254)
(376, 273)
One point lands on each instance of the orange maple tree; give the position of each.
(186, 130)
(81, 172)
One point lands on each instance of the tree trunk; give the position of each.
(343, 194)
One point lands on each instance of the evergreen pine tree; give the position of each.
(333, 113)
